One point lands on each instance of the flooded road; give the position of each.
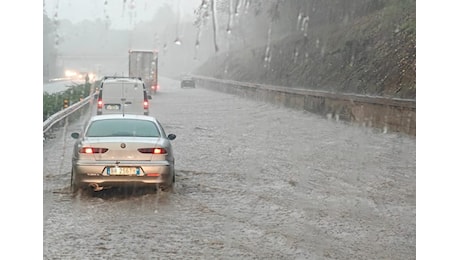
(60, 85)
(254, 181)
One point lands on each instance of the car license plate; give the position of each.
(112, 107)
(123, 171)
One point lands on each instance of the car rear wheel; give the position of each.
(167, 188)
(170, 186)
(73, 186)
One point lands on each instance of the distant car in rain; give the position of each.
(187, 82)
(118, 150)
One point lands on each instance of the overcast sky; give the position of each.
(121, 13)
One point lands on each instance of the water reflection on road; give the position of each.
(254, 181)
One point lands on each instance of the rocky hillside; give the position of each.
(348, 49)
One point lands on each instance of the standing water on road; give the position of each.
(254, 181)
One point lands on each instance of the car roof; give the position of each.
(120, 78)
(123, 80)
(134, 80)
(118, 116)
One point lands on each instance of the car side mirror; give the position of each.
(75, 135)
(171, 137)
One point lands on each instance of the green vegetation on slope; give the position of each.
(53, 103)
(372, 53)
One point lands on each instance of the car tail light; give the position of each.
(152, 150)
(91, 150)
(146, 104)
(155, 87)
(99, 103)
(155, 174)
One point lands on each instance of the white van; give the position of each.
(122, 95)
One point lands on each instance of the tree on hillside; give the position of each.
(49, 49)
(352, 46)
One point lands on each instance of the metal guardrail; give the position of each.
(55, 118)
(409, 103)
(386, 113)
(404, 104)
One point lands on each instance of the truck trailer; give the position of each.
(144, 64)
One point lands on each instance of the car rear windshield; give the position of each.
(122, 127)
(122, 89)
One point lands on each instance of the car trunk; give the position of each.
(125, 149)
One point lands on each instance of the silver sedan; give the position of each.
(122, 150)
